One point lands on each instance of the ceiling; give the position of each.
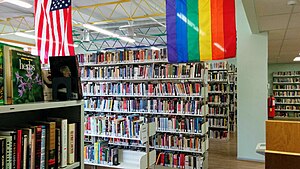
(274, 16)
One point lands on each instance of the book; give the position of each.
(43, 147)
(22, 75)
(24, 151)
(58, 147)
(1, 75)
(13, 135)
(2, 153)
(71, 143)
(8, 151)
(66, 67)
(38, 146)
(47, 83)
(62, 124)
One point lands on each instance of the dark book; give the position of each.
(1, 75)
(22, 76)
(3, 153)
(66, 67)
(13, 135)
(38, 145)
(57, 147)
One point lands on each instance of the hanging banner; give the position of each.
(200, 30)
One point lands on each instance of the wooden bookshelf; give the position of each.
(16, 116)
(161, 73)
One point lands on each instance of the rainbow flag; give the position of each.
(200, 30)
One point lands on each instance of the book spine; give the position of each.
(71, 143)
(19, 149)
(51, 144)
(38, 141)
(3, 153)
(58, 148)
(25, 148)
(32, 152)
(64, 143)
(43, 148)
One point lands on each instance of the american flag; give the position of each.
(53, 28)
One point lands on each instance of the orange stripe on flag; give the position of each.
(217, 29)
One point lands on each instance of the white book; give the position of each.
(71, 143)
(43, 148)
(25, 151)
(63, 125)
(186, 162)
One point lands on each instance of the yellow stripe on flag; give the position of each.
(205, 30)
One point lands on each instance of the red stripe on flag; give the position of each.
(47, 44)
(229, 28)
(65, 36)
(217, 29)
(69, 31)
(40, 31)
(53, 40)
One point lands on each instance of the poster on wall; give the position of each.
(200, 30)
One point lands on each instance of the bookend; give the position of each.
(59, 83)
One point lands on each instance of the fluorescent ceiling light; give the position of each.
(154, 48)
(106, 32)
(297, 58)
(25, 35)
(19, 3)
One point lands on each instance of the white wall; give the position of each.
(252, 79)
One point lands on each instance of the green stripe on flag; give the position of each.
(193, 31)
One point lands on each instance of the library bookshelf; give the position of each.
(219, 96)
(286, 90)
(21, 115)
(141, 83)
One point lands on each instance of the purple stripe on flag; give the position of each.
(171, 31)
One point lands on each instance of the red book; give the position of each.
(181, 160)
(162, 159)
(19, 149)
(175, 161)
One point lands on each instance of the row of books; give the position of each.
(123, 56)
(218, 134)
(217, 111)
(287, 93)
(232, 87)
(218, 76)
(217, 65)
(291, 80)
(143, 89)
(146, 105)
(175, 124)
(101, 153)
(294, 87)
(217, 88)
(191, 70)
(170, 141)
(287, 107)
(176, 160)
(217, 98)
(290, 101)
(113, 125)
(287, 114)
(218, 122)
(288, 73)
(45, 144)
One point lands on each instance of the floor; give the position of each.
(222, 155)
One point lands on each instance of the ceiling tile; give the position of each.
(274, 7)
(291, 45)
(274, 47)
(293, 34)
(295, 22)
(297, 8)
(273, 22)
(276, 34)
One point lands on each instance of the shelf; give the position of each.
(217, 92)
(217, 81)
(218, 127)
(146, 113)
(71, 166)
(115, 137)
(222, 70)
(196, 79)
(298, 96)
(287, 118)
(123, 63)
(286, 89)
(144, 96)
(135, 146)
(179, 132)
(214, 115)
(287, 103)
(285, 76)
(287, 110)
(103, 165)
(217, 104)
(38, 106)
(295, 83)
(171, 149)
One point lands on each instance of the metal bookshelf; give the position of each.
(150, 114)
(219, 75)
(286, 90)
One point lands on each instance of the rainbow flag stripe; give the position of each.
(200, 30)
